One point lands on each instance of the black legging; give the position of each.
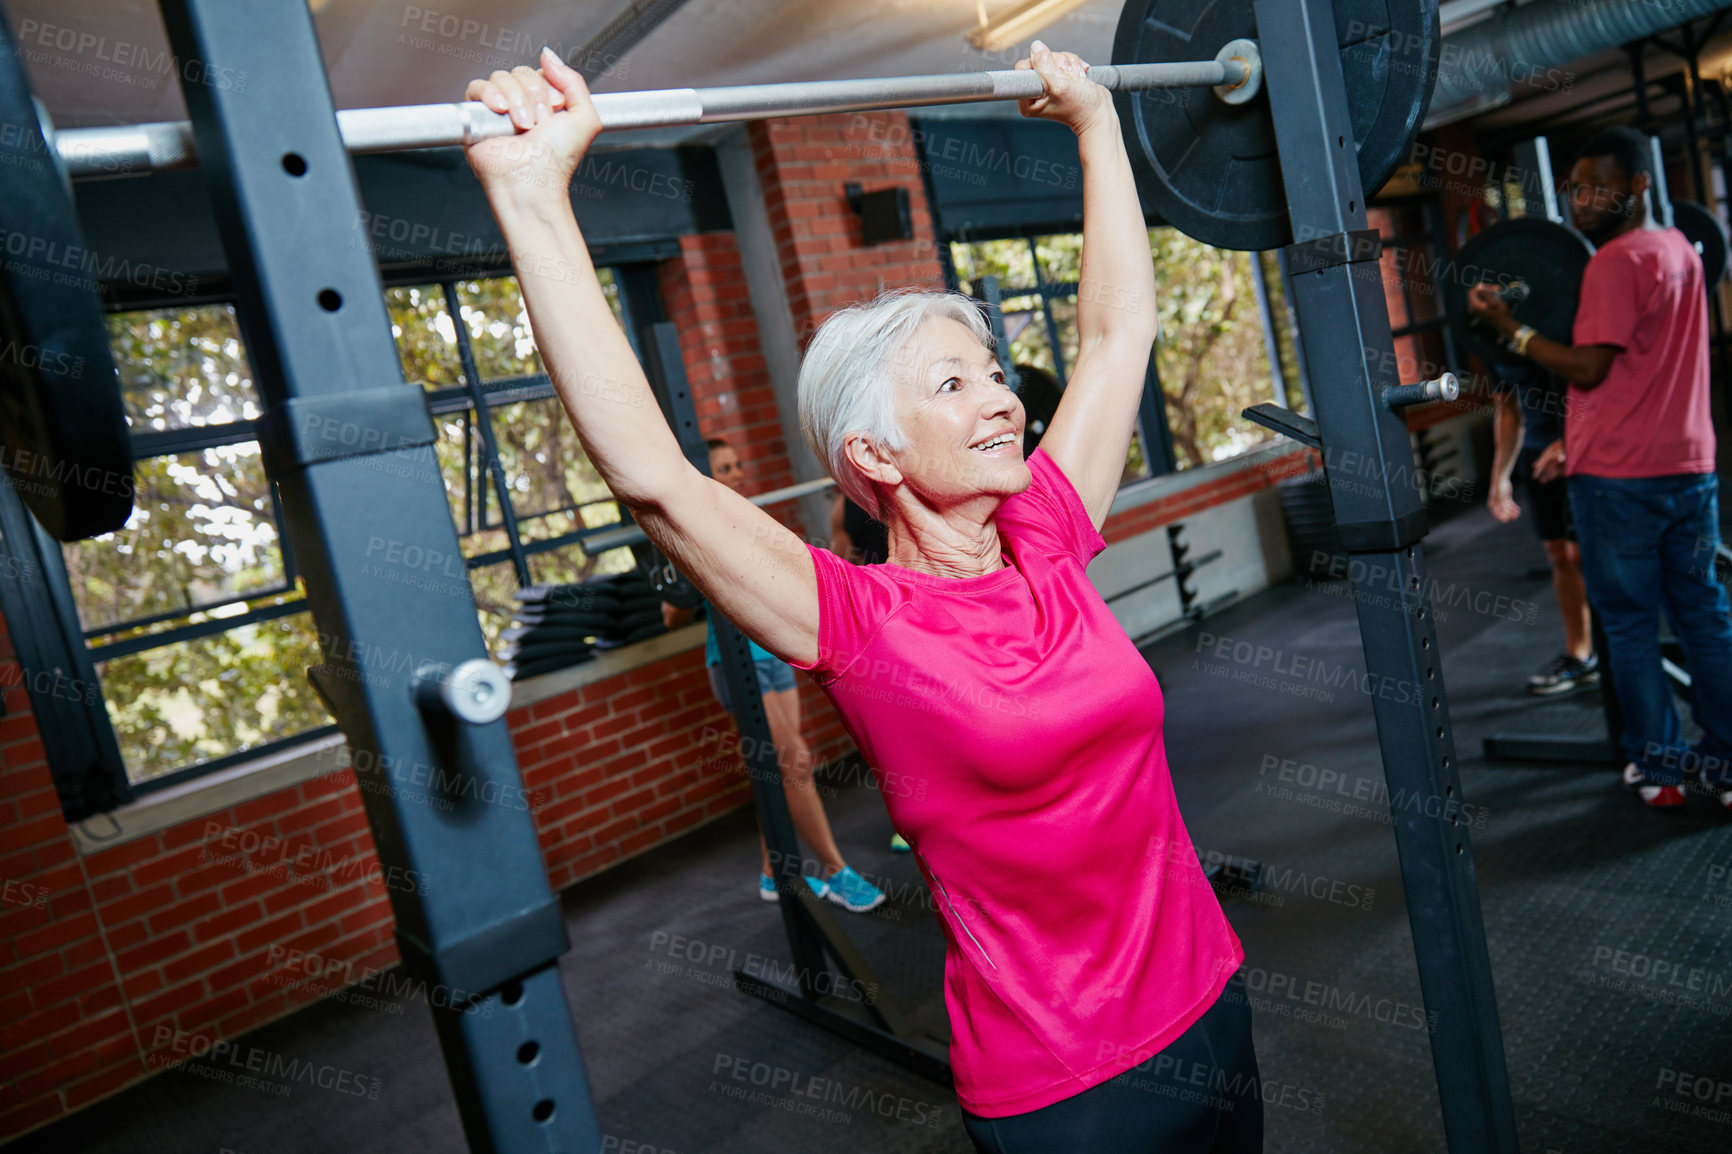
(1200, 1095)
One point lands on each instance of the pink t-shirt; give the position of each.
(1016, 732)
(1650, 417)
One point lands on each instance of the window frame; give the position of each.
(1157, 442)
(1154, 427)
(635, 273)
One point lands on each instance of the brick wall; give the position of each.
(803, 164)
(104, 961)
(706, 296)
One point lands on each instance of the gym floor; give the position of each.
(1609, 928)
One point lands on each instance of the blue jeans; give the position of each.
(1648, 544)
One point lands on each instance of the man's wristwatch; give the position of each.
(1518, 340)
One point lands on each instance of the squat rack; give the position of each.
(312, 312)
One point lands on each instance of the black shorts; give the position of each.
(1546, 502)
(1200, 1095)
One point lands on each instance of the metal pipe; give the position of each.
(1530, 43)
(137, 148)
(599, 543)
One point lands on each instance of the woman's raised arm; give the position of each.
(1090, 434)
(747, 564)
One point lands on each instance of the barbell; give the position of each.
(1235, 74)
(1208, 166)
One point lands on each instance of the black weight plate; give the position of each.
(62, 425)
(1704, 230)
(1548, 258)
(1210, 168)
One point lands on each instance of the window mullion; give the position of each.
(490, 463)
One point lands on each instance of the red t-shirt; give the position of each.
(1017, 735)
(1650, 417)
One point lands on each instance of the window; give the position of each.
(554, 496)
(194, 610)
(1212, 357)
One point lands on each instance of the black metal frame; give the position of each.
(1338, 297)
(312, 309)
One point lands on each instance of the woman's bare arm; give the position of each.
(1090, 434)
(751, 568)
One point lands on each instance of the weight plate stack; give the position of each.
(1210, 168)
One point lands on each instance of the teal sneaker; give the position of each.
(853, 892)
(767, 888)
(898, 844)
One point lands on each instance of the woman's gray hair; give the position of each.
(852, 367)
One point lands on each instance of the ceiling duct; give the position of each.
(606, 48)
(1530, 45)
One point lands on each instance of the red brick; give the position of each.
(154, 950)
(101, 1085)
(210, 1009)
(198, 961)
(182, 912)
(633, 801)
(14, 1063)
(263, 808)
(83, 953)
(73, 983)
(137, 986)
(243, 889)
(311, 816)
(152, 1010)
(90, 1033)
(227, 922)
(267, 933)
(167, 866)
(42, 1024)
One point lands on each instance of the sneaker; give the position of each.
(1565, 674)
(898, 844)
(853, 892)
(1662, 796)
(1633, 776)
(767, 888)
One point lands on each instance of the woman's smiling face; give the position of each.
(962, 423)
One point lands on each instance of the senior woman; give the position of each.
(1090, 977)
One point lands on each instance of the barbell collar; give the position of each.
(476, 692)
(138, 148)
(1444, 388)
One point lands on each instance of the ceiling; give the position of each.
(385, 53)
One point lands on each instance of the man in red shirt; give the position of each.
(1638, 448)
